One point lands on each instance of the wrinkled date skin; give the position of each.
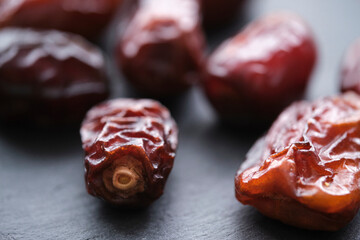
(218, 13)
(49, 76)
(305, 172)
(87, 18)
(161, 50)
(350, 74)
(130, 148)
(254, 75)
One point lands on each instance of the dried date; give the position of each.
(305, 172)
(129, 149)
(218, 13)
(87, 18)
(257, 73)
(161, 50)
(350, 75)
(49, 76)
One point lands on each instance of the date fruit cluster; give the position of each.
(304, 172)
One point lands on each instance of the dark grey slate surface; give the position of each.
(42, 192)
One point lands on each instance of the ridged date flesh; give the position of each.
(87, 18)
(257, 73)
(217, 13)
(350, 75)
(306, 171)
(49, 76)
(129, 149)
(160, 51)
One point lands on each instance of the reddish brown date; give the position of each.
(306, 171)
(129, 149)
(49, 76)
(350, 75)
(161, 50)
(254, 75)
(87, 18)
(218, 13)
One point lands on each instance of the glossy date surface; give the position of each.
(350, 72)
(87, 18)
(49, 76)
(305, 172)
(160, 51)
(129, 149)
(254, 75)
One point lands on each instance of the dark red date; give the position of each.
(305, 172)
(350, 75)
(129, 149)
(49, 76)
(87, 18)
(217, 13)
(161, 50)
(254, 75)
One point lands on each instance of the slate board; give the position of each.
(42, 192)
